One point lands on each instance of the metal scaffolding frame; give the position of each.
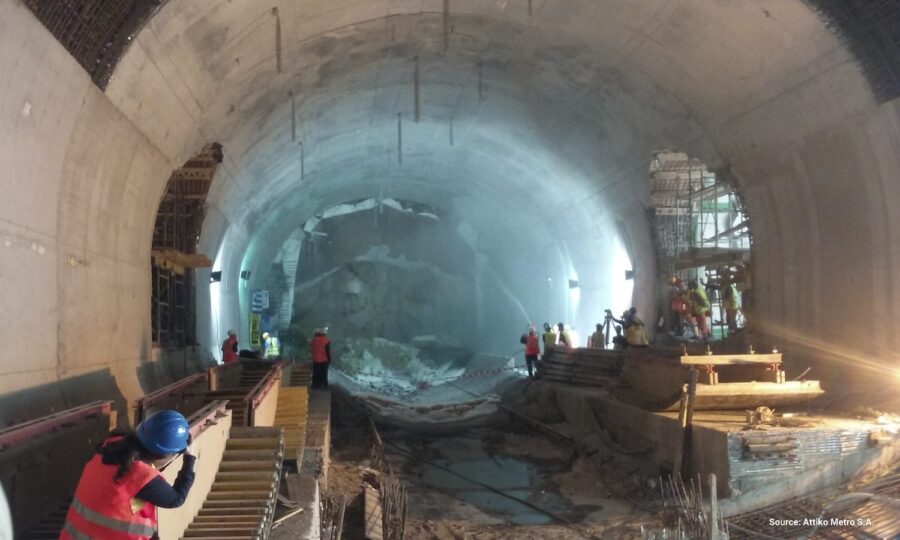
(95, 32)
(700, 224)
(174, 251)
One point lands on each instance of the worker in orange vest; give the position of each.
(320, 351)
(532, 349)
(119, 489)
(230, 348)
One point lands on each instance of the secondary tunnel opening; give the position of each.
(174, 250)
(414, 297)
(703, 235)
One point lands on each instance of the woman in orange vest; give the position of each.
(320, 351)
(532, 349)
(230, 349)
(119, 489)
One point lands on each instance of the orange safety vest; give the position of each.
(229, 356)
(531, 345)
(317, 349)
(102, 507)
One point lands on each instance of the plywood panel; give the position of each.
(264, 414)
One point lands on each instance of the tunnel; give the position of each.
(429, 178)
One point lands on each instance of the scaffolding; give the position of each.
(701, 229)
(95, 32)
(174, 255)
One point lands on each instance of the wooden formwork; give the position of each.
(291, 416)
(241, 502)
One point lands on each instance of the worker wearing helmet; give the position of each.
(549, 338)
(700, 307)
(271, 347)
(532, 349)
(564, 337)
(320, 352)
(120, 489)
(230, 348)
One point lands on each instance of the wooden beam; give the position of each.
(731, 359)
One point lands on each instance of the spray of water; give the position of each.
(510, 295)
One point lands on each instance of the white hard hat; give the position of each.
(265, 335)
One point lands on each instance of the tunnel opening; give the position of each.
(174, 253)
(396, 282)
(702, 233)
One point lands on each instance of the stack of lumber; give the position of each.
(592, 367)
(290, 415)
(242, 500)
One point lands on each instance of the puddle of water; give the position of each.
(522, 478)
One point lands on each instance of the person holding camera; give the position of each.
(120, 489)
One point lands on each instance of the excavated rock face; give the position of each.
(379, 269)
(367, 298)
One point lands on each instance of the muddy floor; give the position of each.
(492, 483)
(506, 481)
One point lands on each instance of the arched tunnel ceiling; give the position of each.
(573, 97)
(553, 155)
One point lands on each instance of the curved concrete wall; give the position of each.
(552, 137)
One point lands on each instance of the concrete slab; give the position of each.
(808, 452)
(307, 524)
(317, 450)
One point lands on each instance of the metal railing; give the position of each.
(33, 429)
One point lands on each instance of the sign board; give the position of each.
(254, 329)
(259, 300)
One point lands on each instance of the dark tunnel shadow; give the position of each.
(172, 365)
(36, 401)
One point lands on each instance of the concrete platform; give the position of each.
(317, 452)
(813, 453)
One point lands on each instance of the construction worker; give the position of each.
(620, 343)
(230, 348)
(271, 347)
(119, 489)
(597, 339)
(679, 306)
(532, 349)
(320, 352)
(549, 338)
(564, 337)
(635, 330)
(687, 313)
(700, 309)
(731, 301)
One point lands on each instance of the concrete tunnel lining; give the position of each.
(755, 103)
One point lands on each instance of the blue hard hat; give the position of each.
(164, 432)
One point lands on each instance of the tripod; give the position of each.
(607, 324)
